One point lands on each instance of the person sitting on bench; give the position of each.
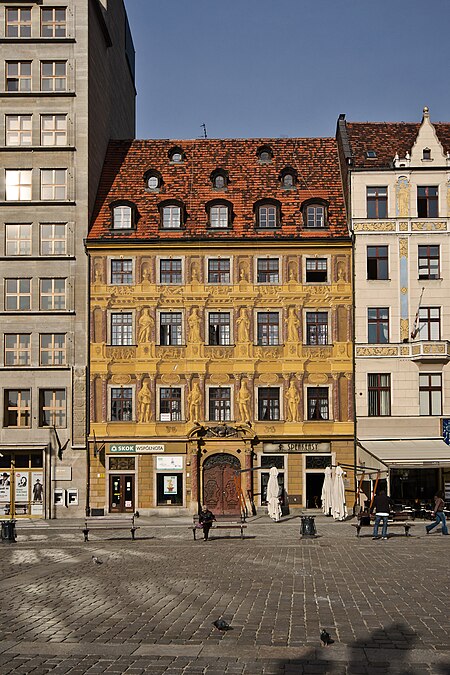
(206, 518)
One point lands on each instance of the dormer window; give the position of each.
(426, 153)
(371, 154)
(219, 215)
(172, 215)
(265, 154)
(267, 214)
(315, 214)
(288, 178)
(176, 155)
(123, 217)
(152, 180)
(219, 179)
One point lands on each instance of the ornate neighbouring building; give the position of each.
(221, 324)
(67, 88)
(397, 178)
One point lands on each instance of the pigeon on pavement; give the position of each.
(326, 638)
(96, 560)
(222, 625)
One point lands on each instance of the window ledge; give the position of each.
(34, 202)
(37, 148)
(37, 40)
(34, 94)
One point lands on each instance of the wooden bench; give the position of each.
(109, 523)
(221, 523)
(407, 524)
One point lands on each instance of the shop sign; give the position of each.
(133, 447)
(296, 446)
(150, 448)
(122, 447)
(174, 462)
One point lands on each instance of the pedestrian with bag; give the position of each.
(439, 514)
(206, 519)
(382, 506)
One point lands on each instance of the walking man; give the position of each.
(439, 514)
(381, 505)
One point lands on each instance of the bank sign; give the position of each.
(296, 446)
(135, 447)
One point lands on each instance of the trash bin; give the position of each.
(308, 528)
(8, 530)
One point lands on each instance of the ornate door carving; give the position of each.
(219, 486)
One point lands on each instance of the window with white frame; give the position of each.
(171, 271)
(219, 328)
(121, 328)
(268, 329)
(219, 216)
(52, 349)
(52, 294)
(122, 217)
(219, 404)
(171, 328)
(53, 130)
(268, 271)
(18, 185)
(18, 295)
(121, 404)
(18, 76)
(54, 76)
(267, 216)
(170, 406)
(18, 239)
(52, 408)
(268, 403)
(430, 393)
(121, 271)
(53, 184)
(219, 271)
(18, 22)
(429, 323)
(315, 215)
(18, 131)
(17, 349)
(53, 238)
(171, 217)
(316, 328)
(53, 22)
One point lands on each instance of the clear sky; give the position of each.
(267, 68)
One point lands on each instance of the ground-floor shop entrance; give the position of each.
(22, 483)
(121, 493)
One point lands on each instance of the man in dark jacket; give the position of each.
(382, 506)
(206, 518)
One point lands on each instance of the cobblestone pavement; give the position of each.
(149, 607)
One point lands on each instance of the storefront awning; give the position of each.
(420, 454)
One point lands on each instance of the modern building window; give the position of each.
(171, 328)
(268, 403)
(53, 294)
(53, 239)
(429, 323)
(430, 393)
(379, 394)
(219, 271)
(53, 22)
(219, 216)
(121, 404)
(18, 239)
(376, 202)
(316, 270)
(18, 76)
(52, 408)
(171, 271)
(54, 76)
(18, 185)
(378, 325)
(219, 328)
(53, 130)
(268, 331)
(18, 295)
(220, 404)
(377, 262)
(267, 270)
(121, 271)
(122, 217)
(121, 329)
(267, 216)
(316, 328)
(18, 349)
(53, 184)
(315, 215)
(18, 22)
(52, 348)
(317, 402)
(427, 202)
(429, 262)
(170, 404)
(18, 130)
(171, 217)
(17, 408)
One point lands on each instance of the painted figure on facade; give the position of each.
(145, 325)
(144, 401)
(194, 326)
(292, 325)
(293, 399)
(194, 401)
(403, 197)
(194, 273)
(243, 324)
(244, 399)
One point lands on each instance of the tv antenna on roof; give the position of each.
(205, 135)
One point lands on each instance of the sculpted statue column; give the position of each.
(144, 403)
(194, 403)
(244, 402)
(293, 324)
(293, 400)
(194, 326)
(243, 326)
(145, 326)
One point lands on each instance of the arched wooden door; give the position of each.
(219, 485)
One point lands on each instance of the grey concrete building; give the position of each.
(68, 87)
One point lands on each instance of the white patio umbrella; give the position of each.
(327, 492)
(339, 508)
(273, 490)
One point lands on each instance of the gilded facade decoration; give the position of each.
(403, 247)
(425, 226)
(403, 227)
(292, 400)
(244, 402)
(376, 351)
(144, 403)
(386, 226)
(404, 329)
(194, 401)
(403, 196)
(145, 326)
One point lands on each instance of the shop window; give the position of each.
(169, 489)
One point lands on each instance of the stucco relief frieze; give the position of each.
(317, 352)
(374, 227)
(376, 351)
(120, 353)
(170, 353)
(403, 247)
(428, 227)
(219, 353)
(268, 353)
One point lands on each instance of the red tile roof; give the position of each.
(387, 139)
(314, 159)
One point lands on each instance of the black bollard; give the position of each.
(308, 528)
(9, 530)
